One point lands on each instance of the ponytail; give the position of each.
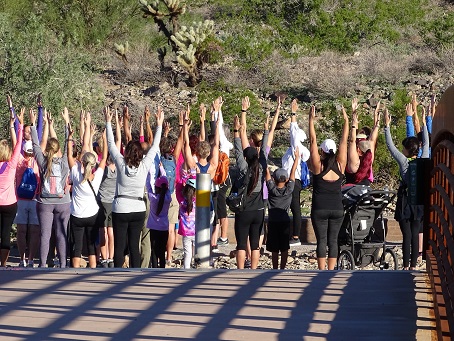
(162, 195)
(89, 162)
(52, 148)
(188, 194)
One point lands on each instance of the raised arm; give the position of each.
(93, 131)
(69, 147)
(113, 150)
(342, 153)
(52, 132)
(105, 150)
(45, 136)
(117, 130)
(409, 120)
(245, 104)
(141, 136)
(296, 162)
(14, 139)
(180, 141)
(237, 131)
(126, 124)
(374, 134)
(39, 127)
(214, 159)
(17, 147)
(395, 153)
(149, 132)
(81, 127)
(202, 115)
(414, 104)
(187, 155)
(353, 157)
(87, 134)
(314, 157)
(274, 123)
(425, 136)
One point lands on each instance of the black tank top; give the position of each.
(327, 195)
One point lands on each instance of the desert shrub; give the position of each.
(34, 60)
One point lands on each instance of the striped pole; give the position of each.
(202, 220)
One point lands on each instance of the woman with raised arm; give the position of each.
(361, 150)
(327, 210)
(27, 180)
(8, 199)
(84, 204)
(249, 222)
(128, 206)
(53, 201)
(409, 216)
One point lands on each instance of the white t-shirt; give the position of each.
(83, 203)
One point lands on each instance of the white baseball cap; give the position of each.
(28, 147)
(328, 145)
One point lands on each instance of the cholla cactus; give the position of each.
(187, 40)
(184, 41)
(121, 50)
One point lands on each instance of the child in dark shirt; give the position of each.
(280, 190)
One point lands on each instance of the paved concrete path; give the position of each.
(114, 304)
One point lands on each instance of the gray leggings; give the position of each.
(53, 216)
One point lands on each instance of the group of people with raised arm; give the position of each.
(108, 195)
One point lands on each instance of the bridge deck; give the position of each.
(213, 305)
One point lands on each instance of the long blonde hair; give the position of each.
(5, 151)
(89, 162)
(52, 148)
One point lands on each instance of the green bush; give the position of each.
(33, 60)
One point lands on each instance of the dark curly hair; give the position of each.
(133, 154)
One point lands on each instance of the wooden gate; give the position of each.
(440, 216)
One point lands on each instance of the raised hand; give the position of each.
(65, 115)
(312, 112)
(159, 117)
(21, 115)
(266, 125)
(245, 104)
(294, 106)
(167, 128)
(297, 154)
(202, 111)
(146, 113)
(387, 118)
(355, 120)
(409, 109)
(108, 114)
(423, 114)
(181, 117)
(354, 104)
(344, 114)
(236, 123)
(126, 114)
(414, 102)
(50, 119)
(32, 116)
(217, 104)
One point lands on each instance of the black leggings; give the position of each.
(7, 215)
(158, 248)
(410, 241)
(127, 227)
(327, 224)
(81, 227)
(248, 223)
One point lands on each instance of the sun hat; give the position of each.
(328, 145)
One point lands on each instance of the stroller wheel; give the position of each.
(388, 260)
(345, 261)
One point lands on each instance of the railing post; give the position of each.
(202, 220)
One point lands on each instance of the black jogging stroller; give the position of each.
(362, 238)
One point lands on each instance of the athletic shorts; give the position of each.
(174, 209)
(221, 209)
(278, 236)
(26, 213)
(104, 218)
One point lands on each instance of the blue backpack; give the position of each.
(305, 176)
(169, 166)
(28, 184)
